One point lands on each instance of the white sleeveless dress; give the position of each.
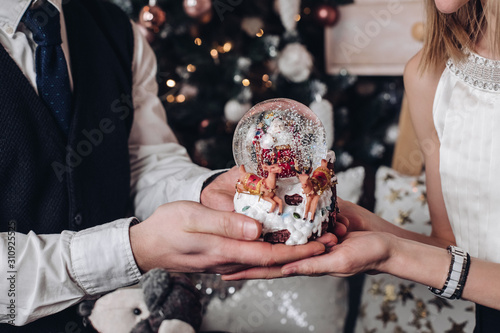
(466, 116)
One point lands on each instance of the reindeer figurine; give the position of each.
(265, 188)
(313, 186)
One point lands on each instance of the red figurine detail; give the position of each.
(265, 188)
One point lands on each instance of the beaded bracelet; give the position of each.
(457, 274)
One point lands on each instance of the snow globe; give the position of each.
(286, 178)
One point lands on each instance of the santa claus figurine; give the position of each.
(275, 146)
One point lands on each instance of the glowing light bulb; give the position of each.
(180, 98)
(227, 47)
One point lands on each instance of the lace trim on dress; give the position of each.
(477, 72)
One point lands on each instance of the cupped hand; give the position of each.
(187, 237)
(358, 252)
(359, 218)
(220, 192)
(340, 227)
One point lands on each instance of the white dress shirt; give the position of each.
(53, 272)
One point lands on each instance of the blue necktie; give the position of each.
(52, 78)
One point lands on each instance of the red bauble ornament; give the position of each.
(326, 15)
(199, 9)
(152, 18)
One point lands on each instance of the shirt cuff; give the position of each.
(102, 259)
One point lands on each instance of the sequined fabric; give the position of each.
(298, 304)
(477, 72)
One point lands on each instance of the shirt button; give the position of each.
(9, 30)
(78, 219)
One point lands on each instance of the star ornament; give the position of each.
(419, 313)
(456, 327)
(398, 329)
(404, 217)
(423, 198)
(362, 310)
(387, 315)
(417, 182)
(376, 288)
(440, 303)
(388, 177)
(406, 292)
(394, 195)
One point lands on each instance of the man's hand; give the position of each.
(188, 237)
(219, 193)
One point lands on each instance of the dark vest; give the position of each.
(50, 182)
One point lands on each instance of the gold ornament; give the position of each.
(390, 293)
(418, 31)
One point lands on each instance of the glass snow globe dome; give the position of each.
(279, 131)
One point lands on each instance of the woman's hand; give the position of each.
(359, 218)
(220, 192)
(351, 218)
(358, 252)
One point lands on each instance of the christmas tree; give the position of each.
(218, 58)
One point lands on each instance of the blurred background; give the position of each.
(218, 58)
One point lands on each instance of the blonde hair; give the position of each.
(448, 34)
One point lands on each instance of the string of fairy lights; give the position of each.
(174, 96)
